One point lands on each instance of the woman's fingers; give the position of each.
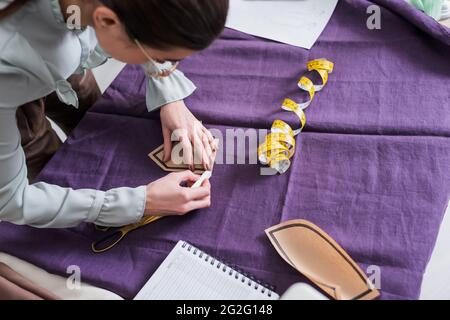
(167, 144)
(208, 134)
(198, 145)
(209, 154)
(204, 153)
(188, 158)
(199, 152)
(208, 147)
(202, 203)
(199, 204)
(207, 184)
(191, 194)
(197, 194)
(197, 198)
(213, 142)
(186, 176)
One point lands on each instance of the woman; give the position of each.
(40, 49)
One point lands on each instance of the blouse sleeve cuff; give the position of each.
(162, 91)
(120, 207)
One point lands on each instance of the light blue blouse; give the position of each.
(37, 54)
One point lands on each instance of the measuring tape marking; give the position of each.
(279, 146)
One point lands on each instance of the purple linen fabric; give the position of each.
(372, 168)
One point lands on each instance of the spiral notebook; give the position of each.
(190, 274)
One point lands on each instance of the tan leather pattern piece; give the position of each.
(157, 156)
(317, 256)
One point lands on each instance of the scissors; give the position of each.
(113, 238)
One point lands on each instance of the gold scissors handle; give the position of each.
(112, 239)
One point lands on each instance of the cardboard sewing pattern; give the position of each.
(317, 256)
(157, 156)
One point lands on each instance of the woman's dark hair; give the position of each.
(164, 24)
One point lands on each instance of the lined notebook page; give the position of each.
(189, 274)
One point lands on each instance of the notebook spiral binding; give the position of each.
(232, 270)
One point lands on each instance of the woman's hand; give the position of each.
(167, 197)
(197, 142)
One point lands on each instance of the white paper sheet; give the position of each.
(295, 22)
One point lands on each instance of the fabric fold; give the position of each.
(14, 286)
(417, 18)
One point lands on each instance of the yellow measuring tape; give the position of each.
(279, 146)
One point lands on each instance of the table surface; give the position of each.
(436, 283)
